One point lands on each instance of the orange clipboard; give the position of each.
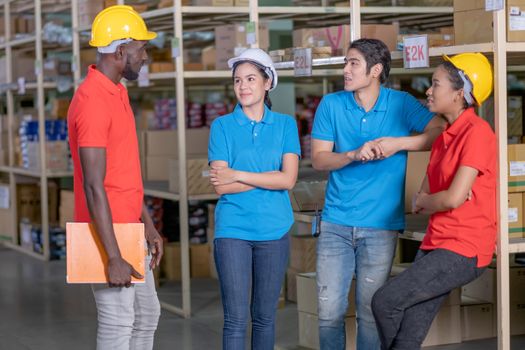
(86, 259)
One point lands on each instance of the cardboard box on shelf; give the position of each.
(472, 24)
(28, 202)
(515, 215)
(165, 142)
(309, 331)
(517, 318)
(303, 256)
(477, 319)
(12, 26)
(213, 2)
(8, 229)
(516, 172)
(66, 210)
(157, 168)
(231, 36)
(87, 58)
(417, 163)
(484, 287)
(208, 57)
(171, 263)
(22, 66)
(241, 2)
(198, 176)
(158, 67)
(200, 260)
(515, 116)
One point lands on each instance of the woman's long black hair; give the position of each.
(261, 70)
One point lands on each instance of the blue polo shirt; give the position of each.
(368, 194)
(258, 214)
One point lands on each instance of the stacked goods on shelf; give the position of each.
(66, 208)
(472, 24)
(231, 40)
(87, 10)
(166, 113)
(305, 112)
(22, 67)
(57, 148)
(338, 37)
(516, 178)
(198, 221)
(155, 208)
(198, 114)
(443, 37)
(213, 110)
(194, 113)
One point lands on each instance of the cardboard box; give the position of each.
(22, 66)
(473, 24)
(241, 2)
(67, 205)
(231, 36)
(516, 172)
(517, 317)
(87, 58)
(2, 26)
(208, 58)
(307, 294)
(303, 255)
(309, 331)
(515, 215)
(198, 176)
(165, 142)
(306, 195)
(477, 319)
(157, 168)
(171, 261)
(200, 260)
(308, 37)
(213, 2)
(291, 284)
(28, 202)
(417, 163)
(484, 287)
(446, 327)
(8, 229)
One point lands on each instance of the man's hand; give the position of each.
(367, 152)
(120, 272)
(387, 146)
(222, 176)
(155, 245)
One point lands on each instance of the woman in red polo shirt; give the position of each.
(459, 192)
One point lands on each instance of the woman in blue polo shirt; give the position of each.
(254, 155)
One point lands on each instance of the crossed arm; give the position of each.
(226, 180)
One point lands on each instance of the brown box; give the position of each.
(67, 205)
(22, 66)
(417, 163)
(208, 57)
(87, 58)
(59, 108)
(446, 327)
(484, 287)
(477, 319)
(157, 168)
(515, 215)
(241, 2)
(308, 37)
(28, 202)
(171, 261)
(291, 284)
(2, 26)
(516, 172)
(231, 36)
(303, 256)
(198, 176)
(306, 195)
(165, 142)
(213, 2)
(309, 331)
(200, 260)
(515, 116)
(8, 227)
(159, 67)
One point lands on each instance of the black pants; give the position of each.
(406, 305)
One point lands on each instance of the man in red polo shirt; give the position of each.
(107, 178)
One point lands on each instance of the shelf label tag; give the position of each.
(493, 5)
(143, 80)
(415, 51)
(251, 38)
(302, 62)
(175, 47)
(21, 85)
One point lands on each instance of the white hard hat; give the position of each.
(260, 58)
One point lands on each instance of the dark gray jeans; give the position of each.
(406, 305)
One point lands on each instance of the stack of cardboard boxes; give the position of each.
(516, 186)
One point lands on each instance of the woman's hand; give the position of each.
(223, 175)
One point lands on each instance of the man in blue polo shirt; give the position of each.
(361, 136)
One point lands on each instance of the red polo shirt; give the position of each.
(100, 116)
(470, 229)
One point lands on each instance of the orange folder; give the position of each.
(85, 256)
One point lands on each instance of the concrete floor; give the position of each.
(39, 311)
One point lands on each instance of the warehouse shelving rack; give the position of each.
(8, 8)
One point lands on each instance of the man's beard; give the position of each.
(129, 73)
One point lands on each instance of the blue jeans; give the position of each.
(341, 252)
(406, 305)
(257, 264)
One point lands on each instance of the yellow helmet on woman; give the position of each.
(116, 23)
(478, 70)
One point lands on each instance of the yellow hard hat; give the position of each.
(478, 70)
(118, 22)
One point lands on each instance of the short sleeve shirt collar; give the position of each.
(104, 81)
(379, 106)
(242, 118)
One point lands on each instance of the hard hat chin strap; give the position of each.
(111, 48)
(467, 88)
